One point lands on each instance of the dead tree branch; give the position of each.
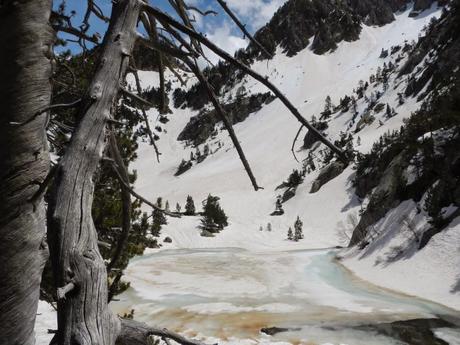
(203, 13)
(145, 117)
(162, 48)
(136, 97)
(242, 27)
(166, 19)
(137, 333)
(294, 141)
(63, 291)
(223, 117)
(77, 33)
(144, 200)
(92, 8)
(150, 25)
(220, 111)
(46, 109)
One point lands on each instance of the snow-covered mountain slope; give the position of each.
(266, 137)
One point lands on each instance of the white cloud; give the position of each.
(224, 33)
(222, 36)
(255, 12)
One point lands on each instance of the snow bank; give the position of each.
(391, 261)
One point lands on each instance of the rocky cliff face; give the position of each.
(329, 22)
(202, 126)
(421, 162)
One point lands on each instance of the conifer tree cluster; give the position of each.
(189, 206)
(295, 178)
(213, 218)
(297, 234)
(196, 157)
(158, 218)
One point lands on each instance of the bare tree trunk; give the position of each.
(83, 314)
(26, 40)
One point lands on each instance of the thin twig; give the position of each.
(51, 107)
(203, 13)
(293, 143)
(136, 97)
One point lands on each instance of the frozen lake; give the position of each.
(229, 294)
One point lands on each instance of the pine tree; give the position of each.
(295, 178)
(214, 218)
(206, 150)
(189, 206)
(261, 228)
(178, 208)
(298, 233)
(358, 141)
(167, 206)
(290, 235)
(389, 113)
(158, 219)
(279, 205)
(269, 227)
(310, 163)
(354, 106)
(327, 108)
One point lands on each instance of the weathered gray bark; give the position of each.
(138, 333)
(25, 90)
(83, 315)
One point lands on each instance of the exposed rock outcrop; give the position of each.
(384, 197)
(202, 126)
(276, 330)
(415, 331)
(326, 174)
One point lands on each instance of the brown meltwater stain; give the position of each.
(231, 296)
(247, 325)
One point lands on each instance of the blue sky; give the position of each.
(253, 13)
